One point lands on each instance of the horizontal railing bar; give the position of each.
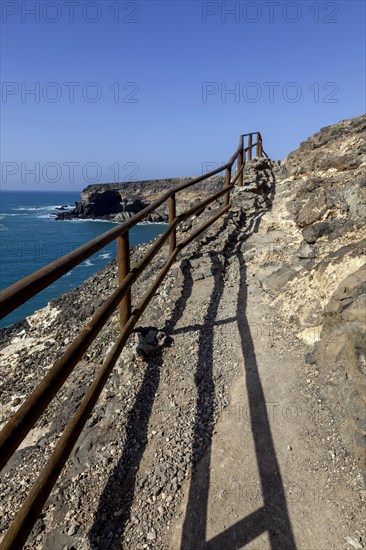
(24, 419)
(235, 155)
(23, 523)
(204, 226)
(18, 293)
(20, 424)
(32, 507)
(23, 290)
(198, 179)
(204, 204)
(25, 519)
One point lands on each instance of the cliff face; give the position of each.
(278, 286)
(119, 201)
(332, 163)
(308, 255)
(312, 265)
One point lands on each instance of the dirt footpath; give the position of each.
(221, 438)
(275, 475)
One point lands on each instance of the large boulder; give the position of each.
(313, 209)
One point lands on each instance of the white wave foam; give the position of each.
(50, 208)
(90, 220)
(80, 220)
(7, 214)
(105, 256)
(152, 223)
(30, 208)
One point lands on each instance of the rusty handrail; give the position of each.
(24, 419)
(20, 292)
(26, 416)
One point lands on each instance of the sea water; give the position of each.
(30, 238)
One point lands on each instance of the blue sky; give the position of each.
(139, 90)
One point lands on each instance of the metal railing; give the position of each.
(34, 406)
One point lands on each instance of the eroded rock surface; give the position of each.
(120, 201)
(316, 270)
(302, 262)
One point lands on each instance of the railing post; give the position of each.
(172, 215)
(123, 262)
(240, 162)
(250, 143)
(259, 145)
(227, 184)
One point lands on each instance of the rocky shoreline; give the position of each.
(299, 228)
(120, 201)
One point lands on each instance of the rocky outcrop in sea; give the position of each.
(120, 201)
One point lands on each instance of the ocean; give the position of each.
(30, 238)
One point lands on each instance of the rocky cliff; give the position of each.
(119, 201)
(311, 264)
(286, 271)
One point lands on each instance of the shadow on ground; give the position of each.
(273, 516)
(118, 494)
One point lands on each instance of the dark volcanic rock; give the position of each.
(104, 203)
(313, 232)
(311, 157)
(314, 208)
(120, 201)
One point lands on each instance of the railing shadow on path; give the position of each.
(34, 406)
(272, 517)
(119, 491)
